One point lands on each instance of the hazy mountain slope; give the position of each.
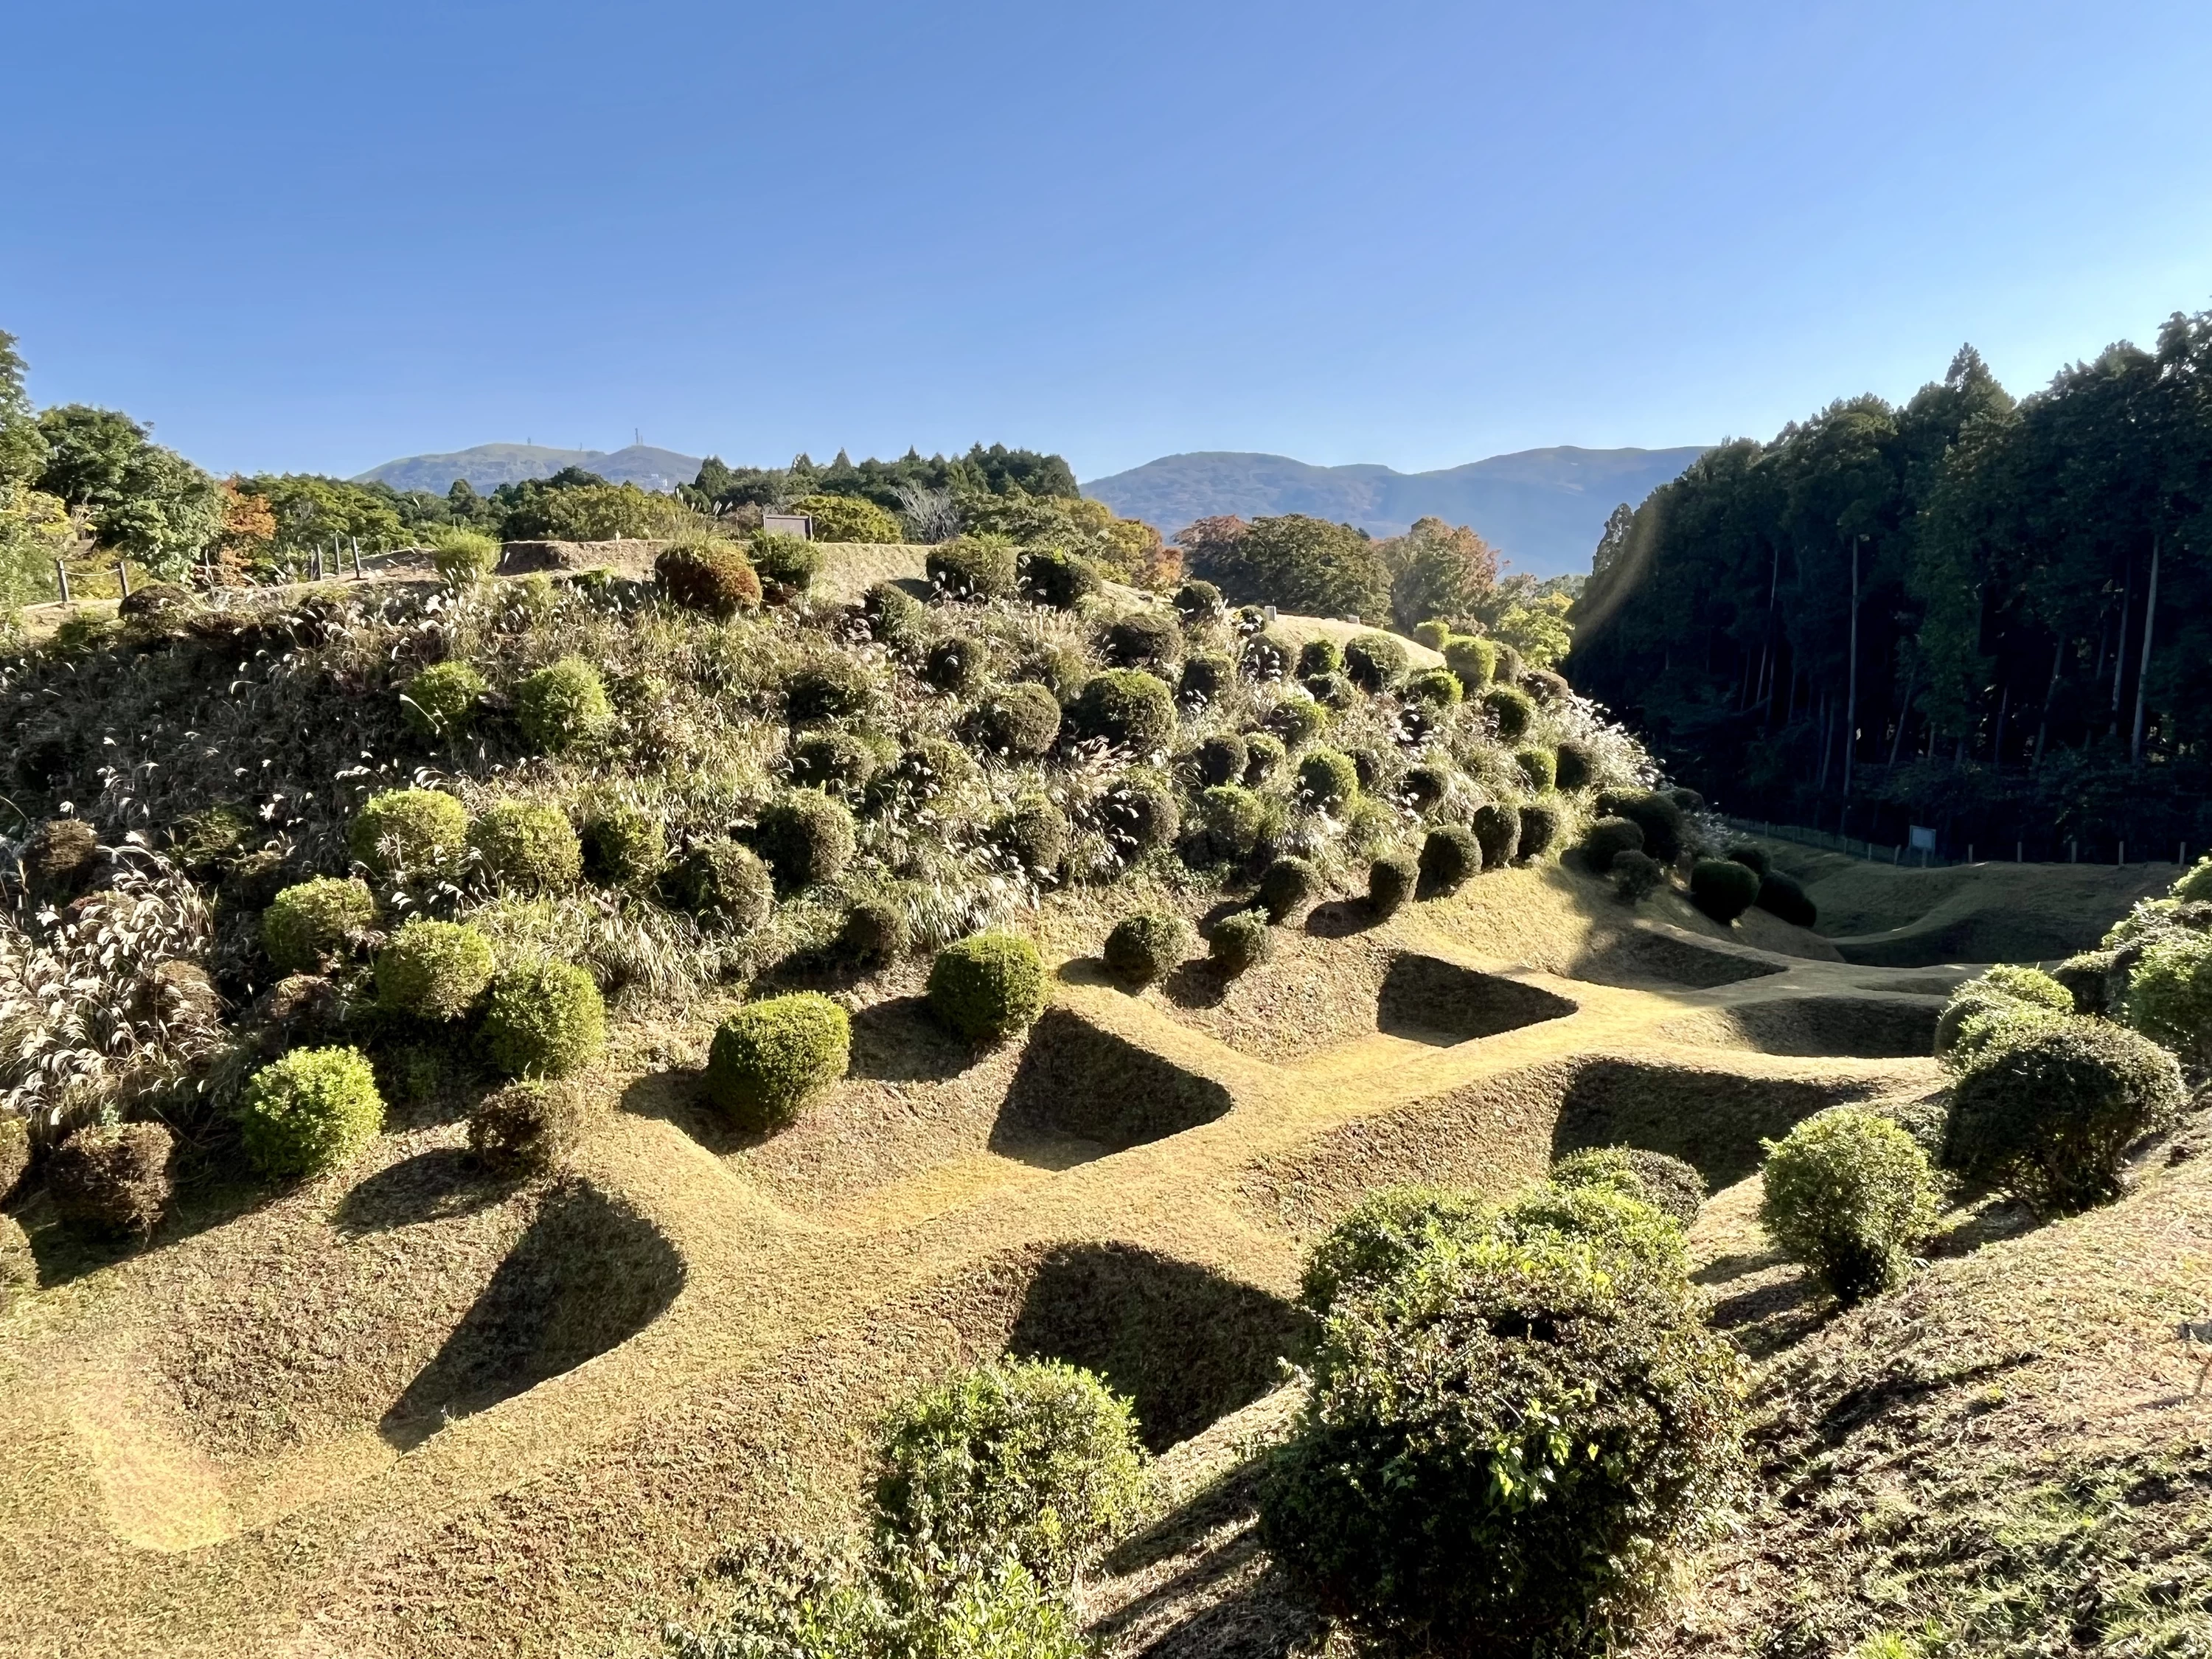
(1543, 507)
(488, 465)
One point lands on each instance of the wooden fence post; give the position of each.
(61, 574)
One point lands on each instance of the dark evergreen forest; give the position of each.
(1987, 616)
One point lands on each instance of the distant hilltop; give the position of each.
(490, 466)
(1543, 508)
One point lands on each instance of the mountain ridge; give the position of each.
(486, 466)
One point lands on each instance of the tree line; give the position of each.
(1982, 615)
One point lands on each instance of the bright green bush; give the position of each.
(527, 846)
(1450, 856)
(1849, 1194)
(1511, 711)
(788, 562)
(2195, 886)
(933, 767)
(708, 574)
(849, 519)
(770, 1057)
(721, 880)
(2170, 995)
(1502, 1448)
(442, 701)
(1667, 1184)
(528, 1128)
(1574, 765)
(1146, 946)
(1328, 780)
(2028, 985)
(433, 970)
(312, 923)
(1126, 707)
(561, 705)
(1019, 721)
(1374, 662)
(1240, 942)
(1287, 886)
(1434, 633)
(1634, 1235)
(1036, 832)
(1540, 828)
(836, 762)
(1220, 759)
(1540, 767)
(954, 665)
(545, 1020)
(973, 567)
(1439, 688)
(1474, 660)
(463, 558)
(1498, 831)
(1233, 817)
(1265, 755)
(832, 688)
(1384, 1234)
(310, 1111)
(1391, 880)
(805, 837)
(2047, 1110)
(1298, 721)
(404, 833)
(1722, 889)
(1059, 579)
(1035, 1458)
(1321, 656)
(987, 987)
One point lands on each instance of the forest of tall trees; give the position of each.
(1988, 617)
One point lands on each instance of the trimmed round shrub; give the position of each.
(789, 563)
(1450, 857)
(1511, 711)
(433, 970)
(1140, 811)
(1060, 579)
(409, 832)
(112, 1178)
(954, 665)
(1331, 691)
(1753, 858)
(1143, 639)
(1547, 688)
(1020, 721)
(1198, 602)
(1848, 1194)
(2170, 995)
(1376, 769)
(2025, 984)
(1509, 664)
(1221, 759)
(1146, 946)
(708, 574)
(311, 925)
(1666, 1184)
(1205, 675)
(528, 1128)
(1319, 657)
(1374, 662)
(1265, 755)
(1722, 889)
(1971, 1017)
(1298, 721)
(1655, 814)
(528, 846)
(312, 1111)
(771, 1057)
(972, 567)
(1328, 782)
(1036, 833)
(1431, 1503)
(1439, 688)
(848, 519)
(805, 837)
(1689, 800)
(463, 558)
(933, 767)
(545, 1019)
(156, 602)
(1637, 875)
(2195, 883)
(59, 857)
(1288, 885)
(1539, 769)
(1497, 832)
(722, 879)
(14, 1153)
(19, 1263)
(1127, 708)
(2087, 977)
(2048, 1112)
(1540, 828)
(1391, 881)
(827, 689)
(1240, 942)
(875, 933)
(442, 701)
(1574, 765)
(1384, 1234)
(987, 987)
(1425, 786)
(1233, 818)
(1474, 660)
(561, 705)
(1435, 633)
(837, 761)
(895, 617)
(1033, 1458)
(1780, 895)
(1264, 658)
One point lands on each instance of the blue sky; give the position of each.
(315, 237)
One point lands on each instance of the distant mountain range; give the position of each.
(490, 466)
(1543, 508)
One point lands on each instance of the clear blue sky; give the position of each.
(318, 236)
